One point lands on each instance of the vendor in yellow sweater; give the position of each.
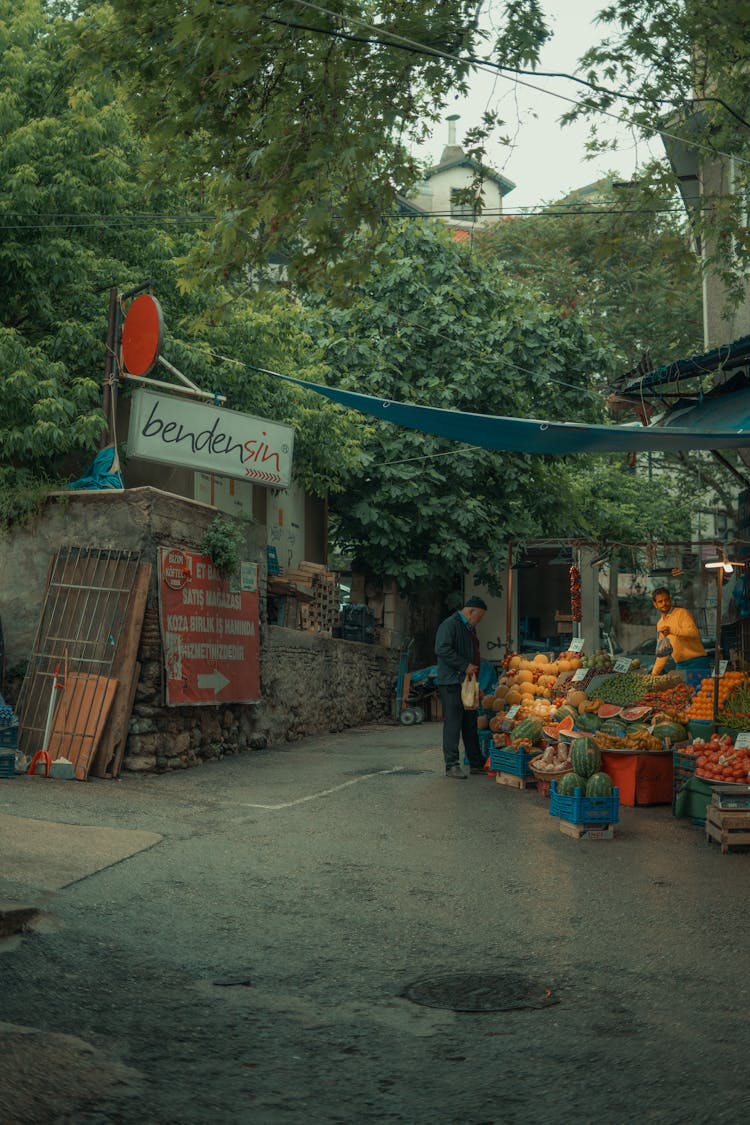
(677, 626)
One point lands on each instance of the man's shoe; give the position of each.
(477, 769)
(456, 772)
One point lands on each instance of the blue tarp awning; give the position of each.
(528, 435)
(727, 356)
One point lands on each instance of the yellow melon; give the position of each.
(541, 658)
(525, 676)
(515, 662)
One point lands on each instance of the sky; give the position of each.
(546, 160)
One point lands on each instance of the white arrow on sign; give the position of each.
(213, 680)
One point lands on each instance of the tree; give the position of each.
(76, 221)
(629, 270)
(681, 68)
(431, 325)
(295, 119)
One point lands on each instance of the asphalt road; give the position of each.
(251, 966)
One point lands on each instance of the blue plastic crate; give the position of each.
(8, 764)
(9, 737)
(512, 761)
(585, 810)
(485, 741)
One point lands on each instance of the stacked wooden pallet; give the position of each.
(321, 614)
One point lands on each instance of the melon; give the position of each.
(613, 726)
(599, 785)
(565, 711)
(576, 697)
(634, 713)
(608, 711)
(585, 757)
(673, 731)
(568, 783)
(587, 722)
(566, 723)
(529, 728)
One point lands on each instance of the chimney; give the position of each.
(452, 151)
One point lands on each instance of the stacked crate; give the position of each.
(321, 614)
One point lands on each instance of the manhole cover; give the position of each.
(480, 992)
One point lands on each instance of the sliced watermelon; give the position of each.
(609, 711)
(634, 713)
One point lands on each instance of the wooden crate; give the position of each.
(728, 827)
(513, 781)
(587, 831)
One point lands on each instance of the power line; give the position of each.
(404, 43)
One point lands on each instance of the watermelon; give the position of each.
(587, 722)
(609, 711)
(568, 783)
(528, 728)
(633, 714)
(673, 731)
(565, 711)
(585, 757)
(613, 726)
(599, 785)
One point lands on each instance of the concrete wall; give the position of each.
(309, 684)
(438, 197)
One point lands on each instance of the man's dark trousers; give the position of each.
(459, 723)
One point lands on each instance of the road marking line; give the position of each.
(324, 792)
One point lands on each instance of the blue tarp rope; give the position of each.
(528, 435)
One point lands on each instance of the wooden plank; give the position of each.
(112, 746)
(513, 781)
(120, 733)
(587, 831)
(729, 828)
(80, 719)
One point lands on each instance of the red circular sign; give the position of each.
(141, 335)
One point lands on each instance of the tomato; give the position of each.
(701, 760)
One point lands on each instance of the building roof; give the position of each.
(460, 160)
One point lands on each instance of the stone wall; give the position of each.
(309, 684)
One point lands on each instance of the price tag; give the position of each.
(622, 665)
(576, 645)
(579, 674)
(723, 666)
(742, 740)
(513, 711)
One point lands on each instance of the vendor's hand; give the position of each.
(472, 670)
(662, 628)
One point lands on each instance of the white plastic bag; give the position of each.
(470, 692)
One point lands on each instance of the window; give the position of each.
(460, 207)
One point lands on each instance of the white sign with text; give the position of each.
(179, 431)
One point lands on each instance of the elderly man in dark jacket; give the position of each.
(457, 651)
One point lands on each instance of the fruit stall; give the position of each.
(597, 729)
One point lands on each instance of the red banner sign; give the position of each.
(210, 630)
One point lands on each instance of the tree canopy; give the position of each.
(76, 220)
(630, 269)
(296, 119)
(432, 325)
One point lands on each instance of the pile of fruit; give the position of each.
(586, 773)
(702, 705)
(719, 760)
(631, 687)
(599, 661)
